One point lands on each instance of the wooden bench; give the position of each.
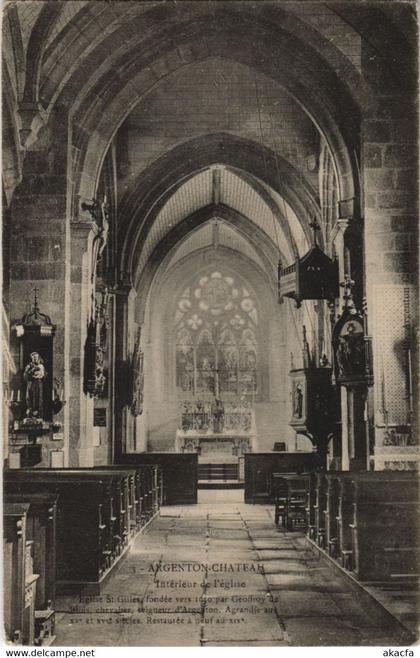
(99, 511)
(332, 530)
(113, 509)
(320, 509)
(145, 498)
(131, 493)
(311, 505)
(175, 476)
(88, 519)
(385, 527)
(356, 516)
(19, 581)
(41, 530)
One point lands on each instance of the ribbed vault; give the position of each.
(215, 234)
(251, 165)
(140, 44)
(219, 186)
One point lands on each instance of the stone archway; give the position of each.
(163, 318)
(251, 161)
(93, 128)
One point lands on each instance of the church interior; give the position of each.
(209, 322)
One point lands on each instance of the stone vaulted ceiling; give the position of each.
(218, 186)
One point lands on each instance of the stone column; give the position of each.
(337, 238)
(39, 258)
(81, 452)
(124, 319)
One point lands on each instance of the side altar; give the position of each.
(219, 427)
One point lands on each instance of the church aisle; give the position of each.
(262, 587)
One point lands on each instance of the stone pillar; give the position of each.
(124, 319)
(337, 239)
(39, 258)
(81, 452)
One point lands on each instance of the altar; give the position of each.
(208, 444)
(218, 428)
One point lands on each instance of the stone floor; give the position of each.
(220, 573)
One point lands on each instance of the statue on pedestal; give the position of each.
(34, 375)
(218, 412)
(298, 401)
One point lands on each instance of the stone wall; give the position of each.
(390, 181)
(214, 96)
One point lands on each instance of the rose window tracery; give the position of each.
(215, 335)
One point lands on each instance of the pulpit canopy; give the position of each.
(314, 276)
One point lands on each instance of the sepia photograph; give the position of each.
(210, 325)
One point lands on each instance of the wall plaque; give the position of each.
(99, 417)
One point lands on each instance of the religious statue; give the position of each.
(137, 378)
(99, 212)
(58, 393)
(298, 401)
(351, 345)
(218, 412)
(34, 375)
(199, 416)
(186, 416)
(185, 370)
(350, 350)
(207, 374)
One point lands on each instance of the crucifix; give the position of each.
(35, 291)
(35, 308)
(348, 285)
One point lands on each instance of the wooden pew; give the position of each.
(320, 508)
(87, 521)
(178, 473)
(368, 521)
(260, 466)
(113, 509)
(147, 472)
(145, 490)
(385, 528)
(134, 500)
(99, 511)
(310, 505)
(122, 493)
(157, 487)
(41, 530)
(19, 583)
(332, 515)
(344, 490)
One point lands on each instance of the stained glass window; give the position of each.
(216, 346)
